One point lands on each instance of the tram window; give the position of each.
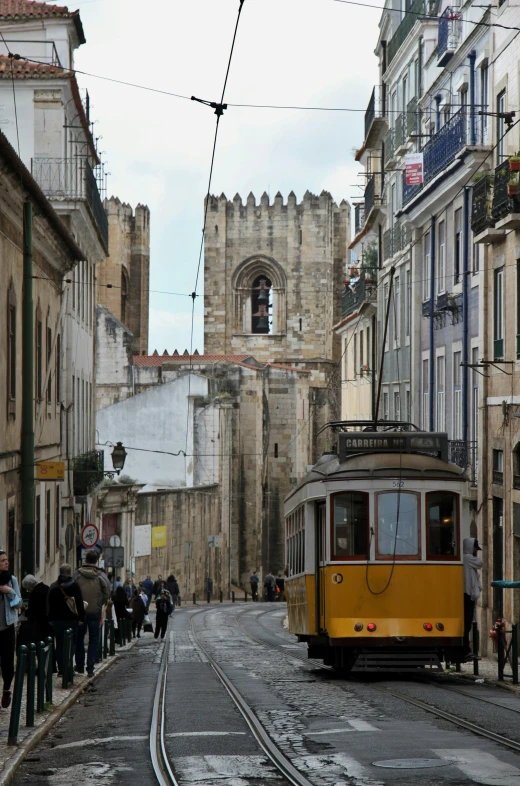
(397, 524)
(350, 536)
(296, 542)
(442, 525)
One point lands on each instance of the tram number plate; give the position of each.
(398, 484)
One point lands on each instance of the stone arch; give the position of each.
(244, 278)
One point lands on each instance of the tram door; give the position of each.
(319, 571)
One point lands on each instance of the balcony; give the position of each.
(72, 179)
(87, 472)
(363, 291)
(400, 135)
(450, 31)
(464, 455)
(412, 117)
(498, 477)
(505, 209)
(411, 16)
(440, 151)
(481, 215)
(395, 240)
(359, 217)
(389, 156)
(372, 195)
(375, 121)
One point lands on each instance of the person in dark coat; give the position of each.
(163, 612)
(38, 628)
(138, 613)
(120, 599)
(173, 588)
(59, 613)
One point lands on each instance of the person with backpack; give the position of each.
(65, 610)
(138, 613)
(95, 589)
(163, 605)
(173, 588)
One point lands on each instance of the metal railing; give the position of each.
(71, 179)
(389, 146)
(450, 29)
(371, 112)
(372, 194)
(388, 244)
(440, 151)
(364, 290)
(411, 16)
(503, 204)
(412, 116)
(35, 662)
(359, 217)
(498, 477)
(463, 453)
(400, 137)
(88, 472)
(481, 216)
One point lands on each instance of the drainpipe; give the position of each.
(472, 127)
(465, 317)
(432, 302)
(28, 462)
(438, 99)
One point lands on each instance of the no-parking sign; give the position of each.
(89, 535)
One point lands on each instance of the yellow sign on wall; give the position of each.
(50, 470)
(158, 537)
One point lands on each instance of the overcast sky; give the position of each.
(158, 148)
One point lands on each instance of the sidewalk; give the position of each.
(488, 671)
(12, 756)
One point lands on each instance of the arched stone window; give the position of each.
(259, 291)
(124, 294)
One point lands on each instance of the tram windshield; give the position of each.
(350, 525)
(397, 524)
(442, 525)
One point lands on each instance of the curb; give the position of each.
(487, 681)
(14, 762)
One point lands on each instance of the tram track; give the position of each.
(444, 715)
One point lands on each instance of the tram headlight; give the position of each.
(371, 627)
(358, 626)
(439, 626)
(428, 626)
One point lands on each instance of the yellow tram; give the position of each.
(374, 551)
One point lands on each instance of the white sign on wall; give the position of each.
(143, 540)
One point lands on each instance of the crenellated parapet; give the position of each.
(310, 201)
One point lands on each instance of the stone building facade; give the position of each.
(124, 277)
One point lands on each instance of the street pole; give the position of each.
(28, 462)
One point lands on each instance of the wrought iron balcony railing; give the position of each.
(498, 477)
(375, 116)
(359, 217)
(363, 291)
(411, 15)
(412, 117)
(388, 244)
(450, 30)
(503, 204)
(440, 151)
(87, 472)
(464, 455)
(399, 132)
(372, 194)
(389, 147)
(71, 179)
(481, 216)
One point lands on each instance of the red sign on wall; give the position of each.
(413, 167)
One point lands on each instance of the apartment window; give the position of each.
(49, 353)
(37, 525)
(397, 406)
(48, 524)
(476, 258)
(386, 405)
(369, 347)
(498, 316)
(426, 266)
(58, 368)
(484, 97)
(441, 381)
(457, 261)
(361, 353)
(11, 346)
(345, 359)
(501, 126)
(39, 350)
(474, 403)
(385, 305)
(57, 518)
(457, 396)
(74, 289)
(354, 354)
(397, 313)
(408, 406)
(408, 302)
(425, 395)
(441, 261)
(498, 467)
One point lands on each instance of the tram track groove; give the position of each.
(158, 755)
(448, 716)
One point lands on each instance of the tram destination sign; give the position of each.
(432, 443)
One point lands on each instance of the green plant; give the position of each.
(126, 480)
(482, 174)
(513, 179)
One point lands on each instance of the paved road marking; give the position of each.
(100, 741)
(207, 770)
(202, 733)
(354, 724)
(482, 767)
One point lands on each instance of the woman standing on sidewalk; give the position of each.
(10, 600)
(138, 613)
(163, 605)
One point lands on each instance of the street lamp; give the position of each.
(118, 459)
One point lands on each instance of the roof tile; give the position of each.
(21, 69)
(24, 8)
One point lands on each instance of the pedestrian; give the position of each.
(162, 605)
(254, 580)
(138, 613)
(280, 586)
(118, 582)
(270, 584)
(95, 589)
(173, 588)
(38, 627)
(157, 585)
(65, 611)
(120, 600)
(10, 601)
(148, 587)
(128, 587)
(472, 586)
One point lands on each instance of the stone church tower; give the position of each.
(273, 277)
(124, 277)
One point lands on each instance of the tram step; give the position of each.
(397, 661)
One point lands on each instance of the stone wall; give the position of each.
(114, 377)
